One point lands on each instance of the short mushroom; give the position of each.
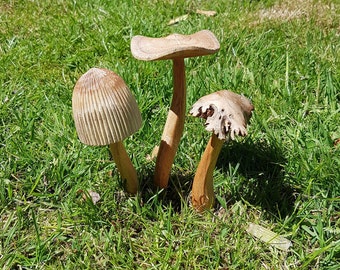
(175, 47)
(227, 115)
(105, 113)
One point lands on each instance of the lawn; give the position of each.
(284, 176)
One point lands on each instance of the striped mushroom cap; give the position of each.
(226, 113)
(104, 109)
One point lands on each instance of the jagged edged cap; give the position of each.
(226, 113)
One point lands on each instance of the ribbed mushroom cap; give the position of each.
(174, 46)
(104, 109)
(226, 113)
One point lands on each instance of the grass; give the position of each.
(283, 176)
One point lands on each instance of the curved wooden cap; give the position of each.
(226, 113)
(104, 109)
(174, 46)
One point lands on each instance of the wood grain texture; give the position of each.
(125, 167)
(173, 128)
(202, 189)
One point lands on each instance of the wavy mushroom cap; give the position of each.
(226, 113)
(104, 109)
(174, 46)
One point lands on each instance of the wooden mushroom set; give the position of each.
(105, 113)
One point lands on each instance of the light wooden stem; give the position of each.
(173, 128)
(202, 189)
(125, 167)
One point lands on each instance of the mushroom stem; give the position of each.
(125, 167)
(202, 190)
(173, 128)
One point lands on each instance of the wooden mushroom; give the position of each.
(227, 115)
(175, 47)
(105, 113)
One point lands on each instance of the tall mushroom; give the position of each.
(175, 47)
(227, 115)
(105, 113)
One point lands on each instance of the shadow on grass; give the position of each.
(175, 195)
(256, 167)
(260, 166)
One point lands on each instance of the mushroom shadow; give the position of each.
(260, 166)
(255, 173)
(175, 195)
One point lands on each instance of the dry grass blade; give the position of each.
(178, 19)
(209, 13)
(153, 154)
(269, 237)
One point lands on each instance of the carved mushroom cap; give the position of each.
(104, 109)
(174, 46)
(226, 113)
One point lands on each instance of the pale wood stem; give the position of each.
(125, 167)
(173, 128)
(203, 196)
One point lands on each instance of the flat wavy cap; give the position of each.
(174, 46)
